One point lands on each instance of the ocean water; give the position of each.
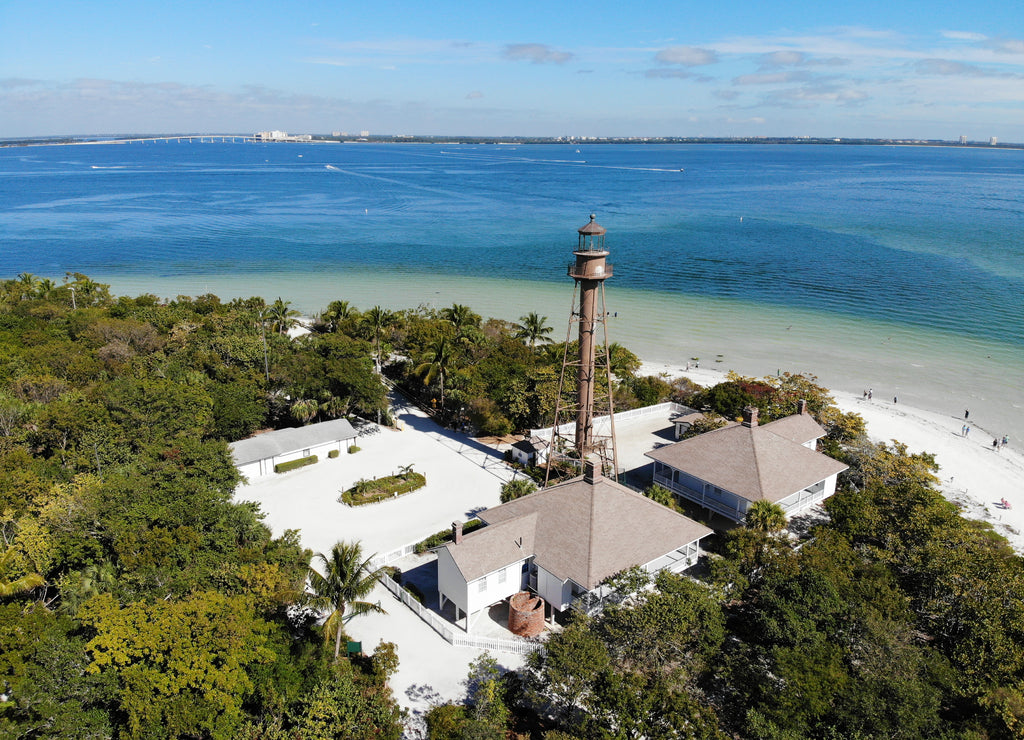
(896, 268)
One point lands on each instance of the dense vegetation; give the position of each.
(137, 600)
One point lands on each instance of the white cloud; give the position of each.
(771, 78)
(783, 58)
(1006, 46)
(666, 73)
(688, 56)
(474, 95)
(963, 35)
(536, 53)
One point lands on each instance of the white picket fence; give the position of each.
(444, 628)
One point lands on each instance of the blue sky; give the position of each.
(903, 68)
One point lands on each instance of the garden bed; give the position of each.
(380, 489)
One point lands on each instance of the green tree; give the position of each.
(377, 321)
(346, 580)
(533, 329)
(182, 665)
(436, 363)
(344, 706)
(336, 313)
(517, 488)
(16, 585)
(461, 317)
(660, 494)
(766, 516)
(305, 409)
(282, 316)
(561, 677)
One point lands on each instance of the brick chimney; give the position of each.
(591, 471)
(801, 407)
(457, 532)
(750, 416)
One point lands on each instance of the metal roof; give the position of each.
(283, 441)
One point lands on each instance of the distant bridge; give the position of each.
(179, 139)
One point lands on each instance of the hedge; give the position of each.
(293, 464)
(332, 454)
(353, 449)
(445, 535)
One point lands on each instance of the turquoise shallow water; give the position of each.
(901, 269)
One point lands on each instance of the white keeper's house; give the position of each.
(728, 469)
(257, 456)
(561, 543)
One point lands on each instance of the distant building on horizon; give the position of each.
(993, 141)
(963, 139)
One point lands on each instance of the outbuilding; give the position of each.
(257, 456)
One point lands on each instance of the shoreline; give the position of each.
(971, 474)
(926, 369)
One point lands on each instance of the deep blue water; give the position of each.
(925, 237)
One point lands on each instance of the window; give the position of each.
(305, 453)
(482, 585)
(502, 576)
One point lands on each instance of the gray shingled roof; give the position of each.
(581, 530)
(754, 462)
(282, 441)
(489, 548)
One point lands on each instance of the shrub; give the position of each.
(333, 454)
(353, 449)
(293, 464)
(445, 535)
(516, 488)
(414, 590)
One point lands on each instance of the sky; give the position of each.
(895, 69)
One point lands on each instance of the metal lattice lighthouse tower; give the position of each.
(593, 394)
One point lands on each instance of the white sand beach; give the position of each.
(464, 475)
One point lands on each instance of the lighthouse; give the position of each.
(589, 270)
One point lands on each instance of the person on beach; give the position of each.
(869, 393)
(995, 445)
(963, 430)
(968, 432)
(967, 413)
(894, 400)
(1006, 440)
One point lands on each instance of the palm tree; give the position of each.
(460, 317)
(44, 287)
(29, 283)
(435, 363)
(336, 312)
(282, 318)
(533, 329)
(346, 580)
(16, 586)
(765, 516)
(305, 409)
(377, 320)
